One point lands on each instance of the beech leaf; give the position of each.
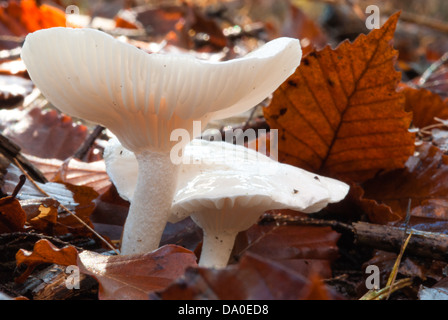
(425, 106)
(340, 114)
(253, 278)
(422, 181)
(305, 249)
(134, 277)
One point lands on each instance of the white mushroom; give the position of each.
(143, 97)
(226, 188)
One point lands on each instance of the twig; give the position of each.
(433, 67)
(422, 244)
(64, 207)
(85, 147)
(12, 151)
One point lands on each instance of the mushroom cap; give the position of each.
(143, 97)
(233, 184)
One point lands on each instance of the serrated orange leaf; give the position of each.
(340, 113)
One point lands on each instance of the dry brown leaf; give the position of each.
(45, 220)
(12, 216)
(425, 106)
(44, 252)
(78, 199)
(44, 134)
(253, 278)
(134, 277)
(423, 181)
(304, 249)
(90, 174)
(300, 26)
(340, 114)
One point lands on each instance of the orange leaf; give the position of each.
(12, 216)
(135, 276)
(425, 105)
(46, 219)
(340, 114)
(44, 252)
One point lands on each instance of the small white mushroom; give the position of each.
(143, 97)
(226, 188)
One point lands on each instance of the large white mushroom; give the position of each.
(143, 97)
(225, 188)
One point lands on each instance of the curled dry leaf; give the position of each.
(134, 277)
(253, 278)
(44, 252)
(339, 114)
(12, 216)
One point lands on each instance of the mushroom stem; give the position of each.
(216, 249)
(151, 202)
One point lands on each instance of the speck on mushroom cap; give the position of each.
(239, 182)
(142, 97)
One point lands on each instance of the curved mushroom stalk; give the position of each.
(142, 98)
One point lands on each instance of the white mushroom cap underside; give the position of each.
(91, 75)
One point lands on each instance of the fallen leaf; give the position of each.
(78, 199)
(422, 181)
(134, 277)
(304, 249)
(340, 114)
(22, 17)
(253, 278)
(44, 134)
(439, 291)
(46, 219)
(299, 25)
(425, 106)
(12, 216)
(90, 174)
(44, 252)
(13, 90)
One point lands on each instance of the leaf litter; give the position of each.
(347, 112)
